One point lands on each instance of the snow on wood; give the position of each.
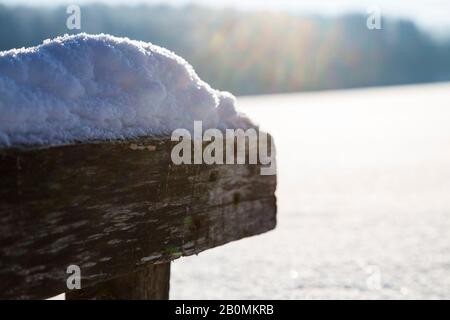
(84, 87)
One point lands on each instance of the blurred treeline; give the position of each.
(255, 52)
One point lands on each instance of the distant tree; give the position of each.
(254, 52)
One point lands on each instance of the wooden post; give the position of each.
(120, 211)
(148, 283)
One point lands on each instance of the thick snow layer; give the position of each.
(83, 87)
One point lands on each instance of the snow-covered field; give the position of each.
(364, 202)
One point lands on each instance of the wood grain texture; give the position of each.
(113, 207)
(151, 282)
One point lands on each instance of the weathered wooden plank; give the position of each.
(113, 207)
(150, 282)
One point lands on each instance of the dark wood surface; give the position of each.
(151, 282)
(113, 207)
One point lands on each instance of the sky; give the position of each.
(430, 14)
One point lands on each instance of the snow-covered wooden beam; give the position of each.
(119, 210)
